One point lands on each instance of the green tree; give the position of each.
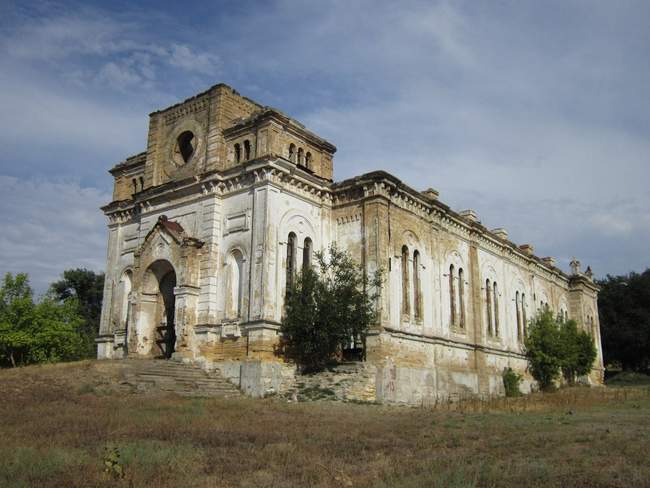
(553, 347)
(624, 311)
(578, 351)
(88, 288)
(543, 345)
(37, 332)
(327, 309)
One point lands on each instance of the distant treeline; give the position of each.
(624, 308)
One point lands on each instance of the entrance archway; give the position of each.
(159, 284)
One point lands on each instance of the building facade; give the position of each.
(208, 226)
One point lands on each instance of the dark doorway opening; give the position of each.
(166, 332)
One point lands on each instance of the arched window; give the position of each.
(247, 150)
(135, 185)
(523, 314)
(292, 152)
(406, 309)
(308, 160)
(141, 183)
(306, 253)
(301, 156)
(291, 259)
(237, 153)
(495, 299)
(452, 296)
(488, 305)
(234, 275)
(417, 285)
(566, 316)
(461, 296)
(518, 313)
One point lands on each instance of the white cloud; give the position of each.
(182, 56)
(48, 227)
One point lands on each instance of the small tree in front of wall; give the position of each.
(543, 346)
(554, 347)
(579, 351)
(327, 308)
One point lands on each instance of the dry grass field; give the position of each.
(66, 426)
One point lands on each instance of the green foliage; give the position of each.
(326, 309)
(511, 381)
(578, 351)
(624, 311)
(553, 346)
(112, 464)
(88, 288)
(37, 332)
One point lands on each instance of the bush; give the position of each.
(328, 309)
(511, 381)
(553, 346)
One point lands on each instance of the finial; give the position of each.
(575, 266)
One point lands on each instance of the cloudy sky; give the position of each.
(535, 114)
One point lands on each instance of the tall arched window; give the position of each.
(292, 152)
(452, 296)
(301, 156)
(308, 160)
(291, 260)
(461, 296)
(406, 309)
(247, 150)
(306, 253)
(518, 314)
(141, 183)
(134, 183)
(237, 153)
(417, 285)
(488, 305)
(523, 314)
(495, 300)
(234, 284)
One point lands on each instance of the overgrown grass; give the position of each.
(56, 432)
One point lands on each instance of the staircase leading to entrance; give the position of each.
(174, 377)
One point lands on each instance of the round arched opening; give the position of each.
(159, 284)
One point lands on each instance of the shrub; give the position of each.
(511, 381)
(327, 309)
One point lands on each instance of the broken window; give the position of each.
(186, 145)
(461, 296)
(237, 153)
(306, 253)
(291, 257)
(406, 309)
(247, 150)
(416, 285)
(452, 296)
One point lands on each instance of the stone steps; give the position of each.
(178, 378)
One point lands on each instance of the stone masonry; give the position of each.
(230, 198)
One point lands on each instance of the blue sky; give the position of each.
(535, 114)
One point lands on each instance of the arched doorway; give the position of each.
(159, 284)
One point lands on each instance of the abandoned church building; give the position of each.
(209, 225)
